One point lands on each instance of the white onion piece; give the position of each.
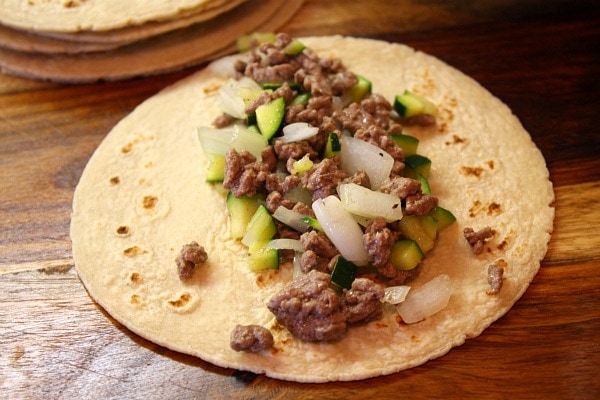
(357, 154)
(395, 294)
(362, 201)
(296, 266)
(229, 102)
(245, 139)
(299, 194)
(215, 141)
(426, 300)
(291, 218)
(286, 244)
(343, 231)
(298, 131)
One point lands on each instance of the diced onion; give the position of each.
(296, 266)
(229, 100)
(357, 154)
(343, 231)
(219, 141)
(287, 244)
(298, 131)
(291, 218)
(395, 294)
(426, 300)
(215, 141)
(245, 139)
(362, 201)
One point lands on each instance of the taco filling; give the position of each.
(319, 172)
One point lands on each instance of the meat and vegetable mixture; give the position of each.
(319, 172)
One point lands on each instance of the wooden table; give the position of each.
(543, 62)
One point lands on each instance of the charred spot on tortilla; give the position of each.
(471, 171)
(456, 140)
(190, 257)
(134, 251)
(115, 180)
(123, 230)
(135, 278)
(135, 300)
(149, 202)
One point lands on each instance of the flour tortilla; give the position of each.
(93, 15)
(159, 54)
(124, 252)
(95, 41)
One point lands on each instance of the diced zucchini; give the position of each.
(216, 168)
(241, 210)
(312, 222)
(251, 121)
(302, 165)
(409, 144)
(262, 257)
(444, 217)
(409, 104)
(411, 228)
(294, 48)
(416, 165)
(333, 145)
(425, 188)
(302, 98)
(253, 127)
(361, 89)
(245, 42)
(344, 273)
(430, 225)
(269, 117)
(261, 227)
(406, 254)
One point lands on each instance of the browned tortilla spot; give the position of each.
(181, 301)
(502, 245)
(133, 251)
(494, 209)
(490, 164)
(135, 300)
(135, 278)
(123, 230)
(127, 148)
(212, 88)
(149, 202)
(473, 171)
(456, 140)
(115, 180)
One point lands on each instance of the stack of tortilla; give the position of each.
(80, 41)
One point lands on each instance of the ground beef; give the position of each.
(274, 183)
(318, 252)
(275, 200)
(309, 308)
(244, 175)
(378, 240)
(401, 187)
(478, 239)
(223, 120)
(495, 273)
(250, 338)
(360, 178)
(265, 97)
(323, 177)
(420, 204)
(295, 150)
(363, 301)
(190, 256)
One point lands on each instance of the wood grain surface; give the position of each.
(540, 58)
